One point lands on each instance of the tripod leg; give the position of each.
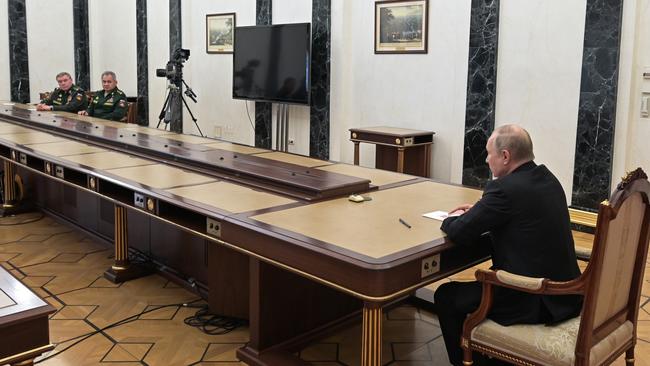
(161, 115)
(192, 115)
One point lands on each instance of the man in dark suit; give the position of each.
(523, 216)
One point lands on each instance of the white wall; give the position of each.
(631, 148)
(158, 53)
(5, 76)
(50, 43)
(538, 77)
(112, 27)
(417, 91)
(210, 75)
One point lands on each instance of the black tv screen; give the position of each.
(271, 63)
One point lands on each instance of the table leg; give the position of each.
(427, 161)
(9, 196)
(371, 335)
(356, 153)
(122, 270)
(400, 160)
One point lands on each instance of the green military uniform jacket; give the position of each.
(72, 100)
(111, 106)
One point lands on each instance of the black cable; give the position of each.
(213, 324)
(113, 325)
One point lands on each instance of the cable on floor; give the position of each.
(213, 324)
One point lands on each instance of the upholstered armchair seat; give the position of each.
(546, 345)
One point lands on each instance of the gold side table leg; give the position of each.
(122, 270)
(371, 335)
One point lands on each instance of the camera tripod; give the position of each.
(168, 114)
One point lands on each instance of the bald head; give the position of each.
(508, 147)
(516, 140)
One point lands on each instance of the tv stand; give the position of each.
(282, 127)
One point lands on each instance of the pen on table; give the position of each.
(404, 223)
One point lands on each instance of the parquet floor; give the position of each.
(65, 267)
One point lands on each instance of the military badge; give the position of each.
(79, 97)
(122, 104)
(69, 98)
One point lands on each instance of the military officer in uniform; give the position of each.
(67, 97)
(108, 103)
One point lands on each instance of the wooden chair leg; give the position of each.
(629, 357)
(467, 357)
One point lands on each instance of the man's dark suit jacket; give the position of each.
(526, 216)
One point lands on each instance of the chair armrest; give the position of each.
(534, 285)
(583, 254)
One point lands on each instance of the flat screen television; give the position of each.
(271, 63)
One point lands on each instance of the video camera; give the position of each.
(173, 71)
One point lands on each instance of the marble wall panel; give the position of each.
(18, 60)
(481, 90)
(319, 119)
(142, 62)
(597, 107)
(81, 43)
(175, 42)
(263, 116)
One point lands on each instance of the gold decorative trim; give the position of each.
(150, 204)
(371, 337)
(629, 177)
(508, 357)
(630, 360)
(26, 355)
(585, 218)
(354, 135)
(20, 188)
(468, 363)
(92, 183)
(398, 141)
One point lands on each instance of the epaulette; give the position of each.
(118, 91)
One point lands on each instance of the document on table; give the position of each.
(436, 215)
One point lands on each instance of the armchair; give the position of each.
(611, 286)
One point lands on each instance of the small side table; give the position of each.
(398, 149)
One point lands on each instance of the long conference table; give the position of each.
(272, 236)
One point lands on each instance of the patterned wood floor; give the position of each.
(65, 267)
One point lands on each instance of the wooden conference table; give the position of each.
(285, 248)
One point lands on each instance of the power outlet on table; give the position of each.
(213, 227)
(430, 265)
(138, 200)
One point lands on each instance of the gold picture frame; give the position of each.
(220, 32)
(401, 26)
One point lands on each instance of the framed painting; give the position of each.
(401, 26)
(220, 33)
